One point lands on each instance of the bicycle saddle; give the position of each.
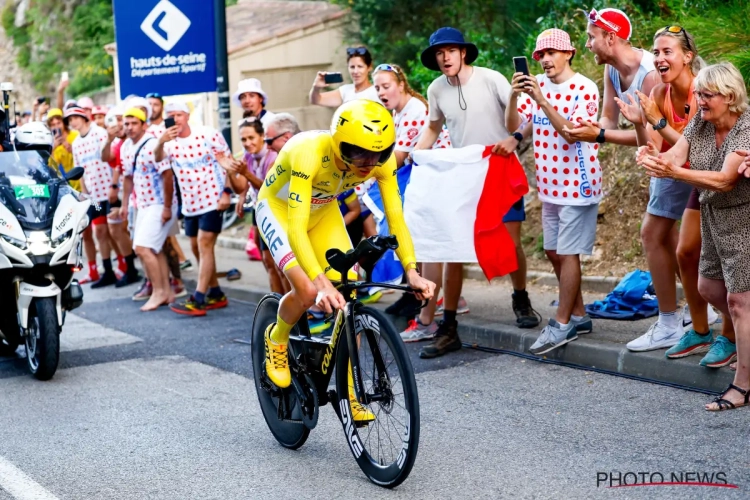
(366, 254)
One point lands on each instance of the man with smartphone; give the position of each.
(471, 101)
(252, 99)
(199, 158)
(569, 177)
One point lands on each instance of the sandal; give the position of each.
(723, 404)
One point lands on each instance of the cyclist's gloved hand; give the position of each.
(328, 298)
(424, 289)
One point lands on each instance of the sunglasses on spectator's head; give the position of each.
(594, 17)
(269, 140)
(356, 51)
(676, 30)
(154, 95)
(386, 67)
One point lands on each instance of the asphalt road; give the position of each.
(160, 406)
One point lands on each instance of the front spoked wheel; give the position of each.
(385, 448)
(281, 409)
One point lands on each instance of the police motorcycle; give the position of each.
(41, 224)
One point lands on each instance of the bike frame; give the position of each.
(316, 356)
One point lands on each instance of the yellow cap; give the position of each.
(53, 112)
(135, 113)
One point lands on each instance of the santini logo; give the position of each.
(165, 25)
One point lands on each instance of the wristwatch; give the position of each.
(115, 186)
(660, 124)
(518, 136)
(600, 137)
(228, 191)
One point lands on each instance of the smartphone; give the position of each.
(169, 122)
(64, 76)
(334, 78)
(521, 65)
(57, 132)
(41, 100)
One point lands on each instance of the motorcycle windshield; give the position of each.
(31, 187)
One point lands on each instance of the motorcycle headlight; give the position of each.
(13, 241)
(62, 238)
(39, 243)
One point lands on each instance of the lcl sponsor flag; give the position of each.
(455, 203)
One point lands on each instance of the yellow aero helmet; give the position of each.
(363, 133)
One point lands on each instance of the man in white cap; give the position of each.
(569, 177)
(252, 99)
(199, 156)
(152, 182)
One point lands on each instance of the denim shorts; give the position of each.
(668, 197)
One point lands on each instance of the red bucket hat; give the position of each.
(555, 39)
(613, 21)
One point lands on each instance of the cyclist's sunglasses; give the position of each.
(676, 30)
(270, 140)
(360, 51)
(594, 17)
(387, 67)
(154, 95)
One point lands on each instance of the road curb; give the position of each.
(597, 284)
(583, 352)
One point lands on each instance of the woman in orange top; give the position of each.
(661, 118)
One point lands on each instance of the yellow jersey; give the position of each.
(65, 158)
(305, 181)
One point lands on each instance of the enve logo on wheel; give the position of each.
(353, 439)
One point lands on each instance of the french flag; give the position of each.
(455, 203)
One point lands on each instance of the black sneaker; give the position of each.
(128, 279)
(406, 306)
(526, 316)
(107, 279)
(446, 340)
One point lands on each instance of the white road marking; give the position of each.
(19, 485)
(79, 334)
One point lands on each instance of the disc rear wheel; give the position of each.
(280, 407)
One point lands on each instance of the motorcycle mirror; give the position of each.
(74, 174)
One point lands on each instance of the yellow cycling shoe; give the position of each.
(277, 362)
(360, 413)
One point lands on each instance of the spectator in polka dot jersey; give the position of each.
(569, 178)
(199, 156)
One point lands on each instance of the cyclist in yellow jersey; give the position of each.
(299, 217)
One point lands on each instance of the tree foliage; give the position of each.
(398, 31)
(64, 36)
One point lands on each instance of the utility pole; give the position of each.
(222, 69)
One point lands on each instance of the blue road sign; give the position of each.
(165, 46)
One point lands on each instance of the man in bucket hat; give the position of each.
(252, 99)
(569, 178)
(471, 101)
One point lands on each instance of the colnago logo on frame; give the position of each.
(165, 25)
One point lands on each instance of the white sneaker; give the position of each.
(657, 337)
(416, 331)
(687, 321)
